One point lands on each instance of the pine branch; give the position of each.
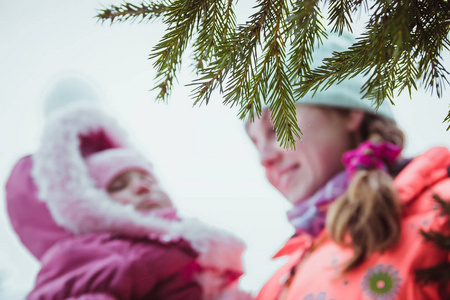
(439, 273)
(249, 37)
(445, 205)
(272, 76)
(336, 69)
(340, 14)
(389, 57)
(214, 50)
(447, 119)
(306, 28)
(238, 86)
(217, 21)
(402, 44)
(182, 18)
(235, 57)
(442, 241)
(130, 12)
(407, 74)
(432, 36)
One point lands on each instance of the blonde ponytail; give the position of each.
(367, 216)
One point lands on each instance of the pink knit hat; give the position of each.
(104, 166)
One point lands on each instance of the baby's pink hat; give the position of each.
(104, 166)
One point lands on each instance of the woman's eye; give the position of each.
(271, 132)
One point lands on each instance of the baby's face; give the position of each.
(139, 189)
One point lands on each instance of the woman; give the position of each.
(357, 213)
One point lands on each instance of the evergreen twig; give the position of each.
(131, 12)
(181, 18)
(441, 271)
(447, 119)
(438, 273)
(401, 44)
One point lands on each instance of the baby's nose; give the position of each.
(141, 187)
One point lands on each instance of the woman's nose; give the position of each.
(270, 155)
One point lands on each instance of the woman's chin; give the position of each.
(296, 197)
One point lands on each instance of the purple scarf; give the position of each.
(306, 217)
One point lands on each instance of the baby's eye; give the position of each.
(117, 184)
(147, 178)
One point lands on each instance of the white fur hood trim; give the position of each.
(76, 204)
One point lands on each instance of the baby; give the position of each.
(119, 236)
(128, 179)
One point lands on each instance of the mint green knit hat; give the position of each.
(346, 94)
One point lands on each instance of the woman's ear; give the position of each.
(355, 118)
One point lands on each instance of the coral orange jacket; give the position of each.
(383, 276)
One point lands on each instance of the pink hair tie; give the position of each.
(370, 155)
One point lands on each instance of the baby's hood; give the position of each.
(76, 204)
(62, 176)
(29, 216)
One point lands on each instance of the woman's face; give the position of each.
(139, 189)
(299, 173)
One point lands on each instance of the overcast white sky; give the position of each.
(202, 154)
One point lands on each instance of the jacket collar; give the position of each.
(422, 172)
